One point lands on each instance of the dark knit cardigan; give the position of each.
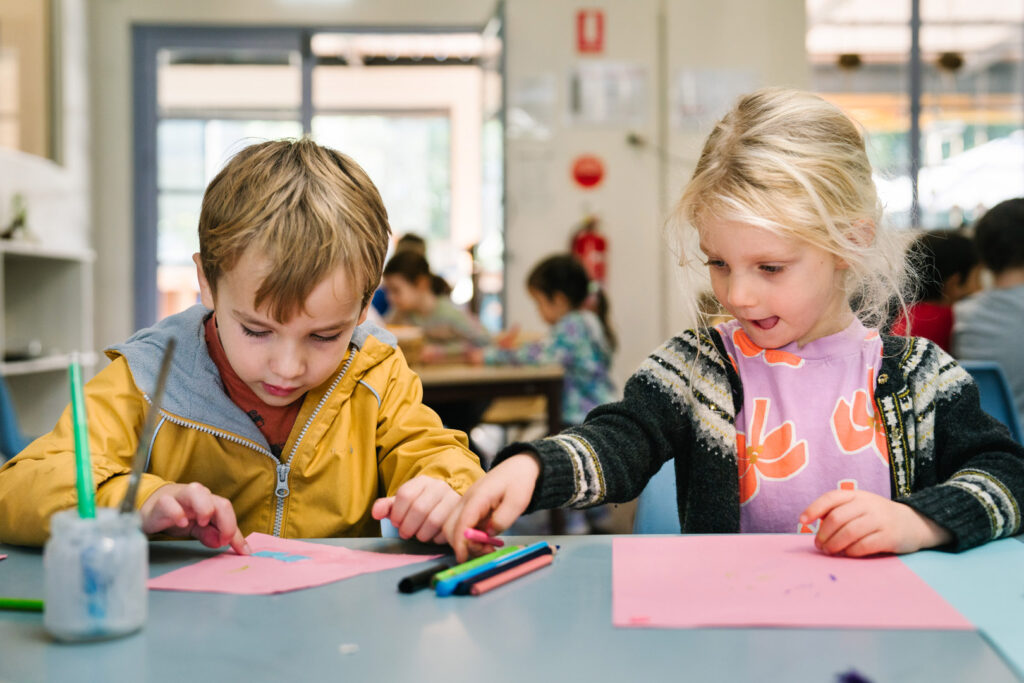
(949, 460)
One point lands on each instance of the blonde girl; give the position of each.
(796, 415)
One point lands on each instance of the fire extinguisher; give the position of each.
(591, 248)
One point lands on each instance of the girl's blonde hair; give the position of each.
(794, 164)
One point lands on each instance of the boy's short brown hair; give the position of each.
(308, 208)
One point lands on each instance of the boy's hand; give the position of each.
(493, 503)
(858, 523)
(191, 510)
(419, 508)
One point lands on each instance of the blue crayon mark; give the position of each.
(832, 576)
(277, 555)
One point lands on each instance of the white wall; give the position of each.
(749, 41)
(729, 44)
(544, 204)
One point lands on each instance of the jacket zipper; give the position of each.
(282, 489)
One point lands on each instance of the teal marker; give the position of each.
(83, 463)
(472, 564)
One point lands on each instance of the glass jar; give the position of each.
(95, 573)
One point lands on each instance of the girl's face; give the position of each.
(406, 296)
(780, 290)
(551, 308)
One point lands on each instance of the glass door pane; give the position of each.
(210, 104)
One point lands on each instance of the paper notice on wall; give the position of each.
(699, 97)
(609, 93)
(531, 108)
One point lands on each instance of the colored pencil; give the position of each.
(445, 587)
(471, 564)
(512, 574)
(462, 587)
(21, 604)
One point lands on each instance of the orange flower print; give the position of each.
(771, 356)
(856, 427)
(773, 455)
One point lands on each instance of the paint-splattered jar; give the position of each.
(95, 573)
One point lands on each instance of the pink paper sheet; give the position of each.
(278, 565)
(3, 557)
(766, 580)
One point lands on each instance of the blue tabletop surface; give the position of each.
(554, 624)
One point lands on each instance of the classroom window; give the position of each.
(970, 109)
(417, 111)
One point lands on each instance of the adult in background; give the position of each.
(990, 324)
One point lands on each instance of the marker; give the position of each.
(463, 587)
(21, 604)
(472, 564)
(481, 587)
(482, 537)
(83, 463)
(445, 587)
(420, 580)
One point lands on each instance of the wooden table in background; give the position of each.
(449, 383)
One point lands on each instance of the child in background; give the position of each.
(284, 414)
(990, 325)
(420, 298)
(947, 270)
(796, 415)
(581, 340)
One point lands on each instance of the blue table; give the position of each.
(552, 625)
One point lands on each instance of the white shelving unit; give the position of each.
(46, 294)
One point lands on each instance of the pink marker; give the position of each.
(481, 537)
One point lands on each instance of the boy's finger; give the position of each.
(198, 503)
(239, 544)
(405, 496)
(382, 507)
(223, 518)
(166, 513)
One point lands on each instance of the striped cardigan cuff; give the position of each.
(970, 503)
(557, 485)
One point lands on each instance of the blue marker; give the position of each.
(446, 587)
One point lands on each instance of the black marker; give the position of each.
(420, 580)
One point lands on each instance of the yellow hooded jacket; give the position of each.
(360, 435)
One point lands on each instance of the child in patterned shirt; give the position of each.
(580, 340)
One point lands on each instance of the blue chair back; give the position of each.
(656, 508)
(11, 440)
(996, 399)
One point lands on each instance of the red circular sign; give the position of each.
(588, 170)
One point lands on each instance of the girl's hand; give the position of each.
(419, 508)
(191, 510)
(475, 356)
(858, 523)
(493, 503)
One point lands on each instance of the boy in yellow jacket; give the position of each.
(285, 412)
